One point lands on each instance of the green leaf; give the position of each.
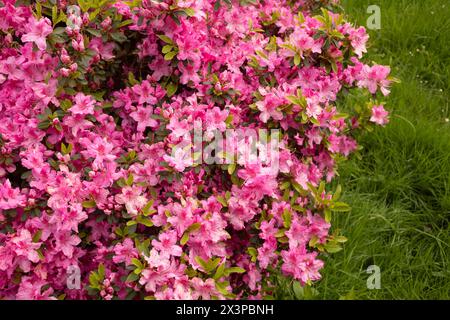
(314, 240)
(54, 14)
(146, 209)
(167, 48)
(212, 264)
(194, 227)
(66, 149)
(66, 104)
(287, 218)
(101, 271)
(340, 207)
(94, 32)
(222, 201)
(285, 185)
(219, 272)
(184, 238)
(125, 23)
(165, 38)
(37, 236)
(171, 89)
(129, 180)
(169, 56)
(298, 290)
(145, 221)
(262, 54)
(332, 247)
(131, 79)
(137, 263)
(231, 168)
(334, 66)
(190, 12)
(341, 239)
(280, 233)
(94, 14)
(337, 193)
(84, 5)
(93, 280)
(132, 277)
(89, 204)
(44, 124)
(202, 263)
(38, 10)
(298, 101)
(297, 59)
(327, 215)
(252, 251)
(234, 270)
(217, 5)
(119, 37)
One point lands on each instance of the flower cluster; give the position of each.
(94, 95)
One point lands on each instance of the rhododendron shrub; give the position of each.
(94, 97)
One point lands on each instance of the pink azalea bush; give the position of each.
(95, 94)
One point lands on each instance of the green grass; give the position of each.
(400, 191)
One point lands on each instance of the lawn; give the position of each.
(400, 190)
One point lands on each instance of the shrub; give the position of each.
(96, 98)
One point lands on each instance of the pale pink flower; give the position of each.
(166, 244)
(125, 252)
(37, 32)
(24, 245)
(203, 289)
(132, 198)
(66, 242)
(379, 115)
(300, 264)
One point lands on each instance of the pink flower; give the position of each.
(37, 32)
(83, 104)
(358, 38)
(179, 128)
(46, 92)
(125, 252)
(143, 117)
(215, 119)
(77, 123)
(318, 226)
(266, 253)
(298, 234)
(69, 218)
(269, 106)
(181, 158)
(10, 198)
(341, 144)
(268, 229)
(167, 244)
(300, 264)
(132, 198)
(188, 73)
(374, 77)
(24, 246)
(203, 289)
(32, 289)
(145, 92)
(379, 115)
(101, 150)
(66, 242)
(181, 217)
